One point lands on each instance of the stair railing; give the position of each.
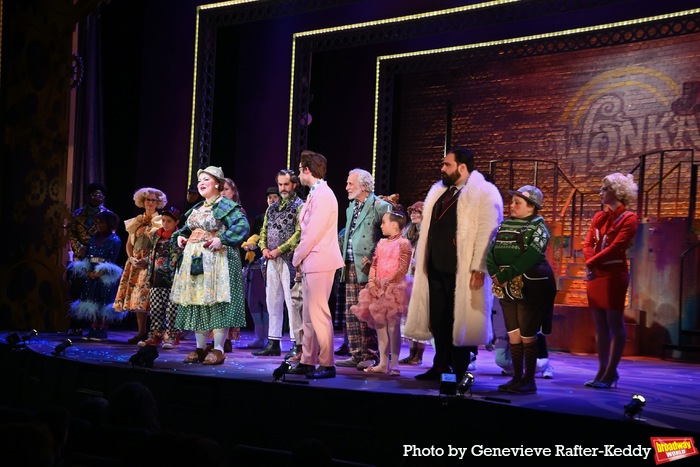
(654, 164)
(564, 217)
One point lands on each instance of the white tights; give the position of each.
(220, 336)
(388, 335)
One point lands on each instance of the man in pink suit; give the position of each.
(318, 256)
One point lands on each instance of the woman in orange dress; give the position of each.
(135, 285)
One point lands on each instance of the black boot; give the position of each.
(293, 352)
(271, 350)
(516, 353)
(527, 384)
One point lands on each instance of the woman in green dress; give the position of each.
(208, 287)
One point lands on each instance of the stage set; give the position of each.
(367, 419)
(553, 93)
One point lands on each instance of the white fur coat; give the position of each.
(479, 213)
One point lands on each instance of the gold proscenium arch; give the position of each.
(306, 34)
(347, 27)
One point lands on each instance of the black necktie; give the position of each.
(447, 199)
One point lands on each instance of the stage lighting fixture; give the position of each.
(13, 339)
(29, 335)
(279, 372)
(144, 357)
(466, 384)
(60, 349)
(448, 384)
(634, 407)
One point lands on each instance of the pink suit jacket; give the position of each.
(318, 249)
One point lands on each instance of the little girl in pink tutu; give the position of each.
(385, 298)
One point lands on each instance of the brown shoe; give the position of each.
(215, 357)
(196, 356)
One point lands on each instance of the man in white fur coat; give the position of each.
(451, 297)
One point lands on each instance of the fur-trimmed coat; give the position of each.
(479, 213)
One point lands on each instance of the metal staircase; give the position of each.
(565, 211)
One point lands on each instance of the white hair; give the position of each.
(364, 178)
(622, 186)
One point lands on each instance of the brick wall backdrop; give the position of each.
(592, 111)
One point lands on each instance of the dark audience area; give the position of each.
(125, 430)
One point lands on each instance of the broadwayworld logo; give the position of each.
(672, 449)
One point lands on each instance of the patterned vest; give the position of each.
(281, 223)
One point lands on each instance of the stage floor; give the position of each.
(670, 388)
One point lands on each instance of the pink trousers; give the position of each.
(318, 323)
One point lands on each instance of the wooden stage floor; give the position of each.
(89, 368)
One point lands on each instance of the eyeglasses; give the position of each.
(152, 200)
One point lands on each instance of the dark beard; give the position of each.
(449, 180)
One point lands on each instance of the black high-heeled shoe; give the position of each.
(593, 382)
(606, 384)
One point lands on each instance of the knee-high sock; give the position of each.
(201, 339)
(220, 336)
(516, 352)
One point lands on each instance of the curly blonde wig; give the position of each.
(622, 186)
(143, 193)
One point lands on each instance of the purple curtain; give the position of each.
(88, 160)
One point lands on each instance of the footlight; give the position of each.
(634, 407)
(144, 357)
(29, 335)
(466, 384)
(13, 339)
(60, 349)
(279, 372)
(448, 384)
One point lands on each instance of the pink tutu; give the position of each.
(378, 306)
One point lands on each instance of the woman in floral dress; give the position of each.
(134, 285)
